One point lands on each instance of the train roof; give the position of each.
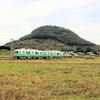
(24, 49)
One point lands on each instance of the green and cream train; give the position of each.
(34, 53)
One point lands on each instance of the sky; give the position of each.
(20, 17)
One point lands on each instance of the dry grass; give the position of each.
(56, 79)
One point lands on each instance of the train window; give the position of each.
(27, 52)
(23, 52)
(19, 52)
(16, 52)
(58, 53)
(36, 52)
(51, 53)
(32, 52)
(44, 52)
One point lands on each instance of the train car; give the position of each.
(34, 53)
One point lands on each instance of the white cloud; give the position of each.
(20, 17)
(37, 9)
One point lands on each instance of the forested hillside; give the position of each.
(51, 37)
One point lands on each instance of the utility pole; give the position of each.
(11, 46)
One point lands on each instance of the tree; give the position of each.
(5, 47)
(89, 49)
(80, 49)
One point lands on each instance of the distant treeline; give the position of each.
(5, 48)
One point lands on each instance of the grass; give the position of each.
(5, 53)
(55, 79)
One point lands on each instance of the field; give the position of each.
(54, 79)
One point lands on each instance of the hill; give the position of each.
(51, 37)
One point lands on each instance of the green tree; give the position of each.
(89, 49)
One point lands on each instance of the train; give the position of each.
(37, 54)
